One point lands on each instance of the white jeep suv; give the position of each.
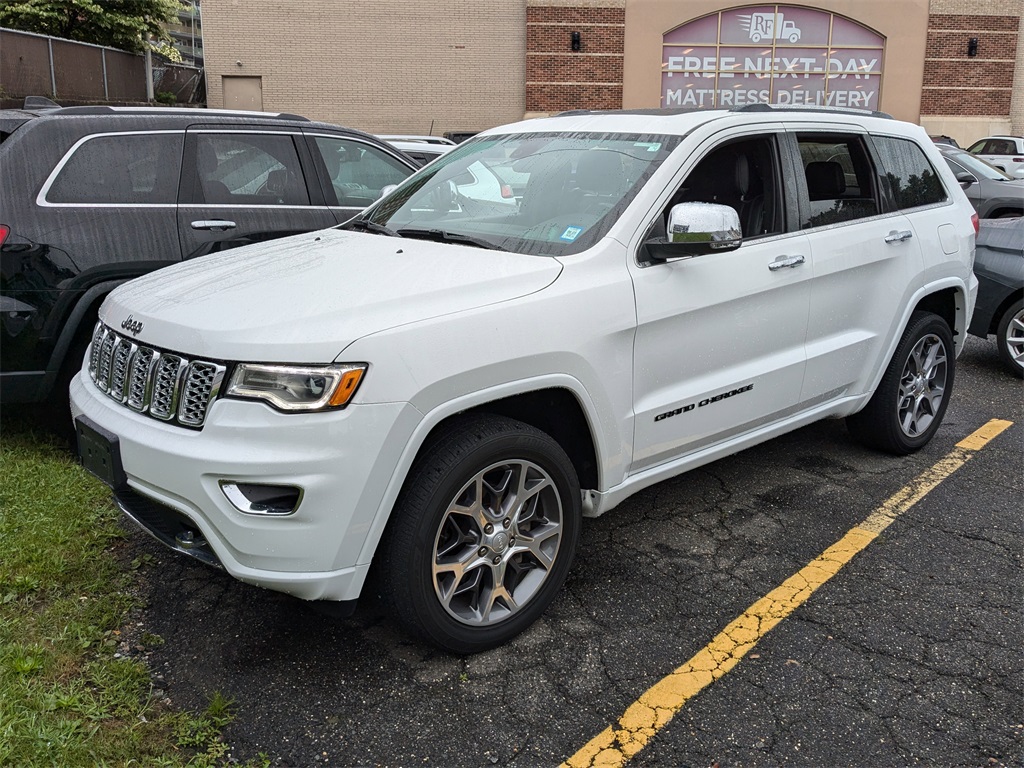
(443, 387)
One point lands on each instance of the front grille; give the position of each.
(156, 382)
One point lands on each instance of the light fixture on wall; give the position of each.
(972, 47)
(575, 42)
(238, 63)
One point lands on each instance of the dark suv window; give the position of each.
(840, 180)
(127, 169)
(249, 169)
(912, 178)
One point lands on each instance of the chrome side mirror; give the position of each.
(696, 229)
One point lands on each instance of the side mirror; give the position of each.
(696, 229)
(386, 190)
(965, 179)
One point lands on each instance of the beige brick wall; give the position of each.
(966, 127)
(397, 66)
(382, 66)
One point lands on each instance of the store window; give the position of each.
(777, 54)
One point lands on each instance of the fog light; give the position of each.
(260, 499)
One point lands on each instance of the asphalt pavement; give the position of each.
(911, 654)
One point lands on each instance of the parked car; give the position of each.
(945, 140)
(421, 149)
(992, 192)
(441, 391)
(1004, 152)
(419, 138)
(999, 265)
(93, 196)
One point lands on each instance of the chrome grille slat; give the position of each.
(138, 378)
(94, 350)
(103, 366)
(162, 384)
(121, 356)
(166, 386)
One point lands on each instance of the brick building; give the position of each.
(952, 65)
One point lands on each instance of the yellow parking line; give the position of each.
(659, 704)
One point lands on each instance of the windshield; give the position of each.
(550, 194)
(976, 165)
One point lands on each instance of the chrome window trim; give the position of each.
(247, 205)
(45, 189)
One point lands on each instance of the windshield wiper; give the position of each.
(365, 225)
(443, 236)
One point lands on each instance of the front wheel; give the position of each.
(907, 408)
(482, 535)
(1010, 338)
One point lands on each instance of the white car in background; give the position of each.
(1004, 152)
(421, 149)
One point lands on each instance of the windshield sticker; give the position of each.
(571, 233)
(650, 147)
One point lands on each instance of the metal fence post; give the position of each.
(103, 55)
(53, 74)
(149, 74)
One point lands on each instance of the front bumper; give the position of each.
(342, 460)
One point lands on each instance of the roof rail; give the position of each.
(108, 110)
(762, 107)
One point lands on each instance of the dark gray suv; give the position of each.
(93, 196)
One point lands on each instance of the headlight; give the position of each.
(297, 387)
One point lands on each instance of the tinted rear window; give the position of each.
(912, 178)
(126, 169)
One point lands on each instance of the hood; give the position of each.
(303, 299)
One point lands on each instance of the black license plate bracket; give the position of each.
(100, 452)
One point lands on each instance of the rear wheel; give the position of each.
(483, 534)
(907, 408)
(1010, 338)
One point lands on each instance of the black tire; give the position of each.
(1010, 338)
(908, 406)
(430, 532)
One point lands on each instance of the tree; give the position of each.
(126, 24)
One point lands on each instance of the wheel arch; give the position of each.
(573, 429)
(84, 311)
(1004, 305)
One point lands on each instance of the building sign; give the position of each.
(778, 54)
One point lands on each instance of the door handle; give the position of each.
(214, 225)
(786, 261)
(898, 237)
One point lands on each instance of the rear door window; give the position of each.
(839, 179)
(247, 169)
(912, 178)
(125, 169)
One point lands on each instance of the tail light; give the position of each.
(4, 232)
(506, 191)
(975, 222)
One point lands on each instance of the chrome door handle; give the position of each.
(898, 237)
(786, 261)
(215, 225)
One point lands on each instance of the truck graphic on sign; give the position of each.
(769, 26)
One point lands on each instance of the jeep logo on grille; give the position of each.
(134, 327)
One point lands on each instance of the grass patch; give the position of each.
(67, 696)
